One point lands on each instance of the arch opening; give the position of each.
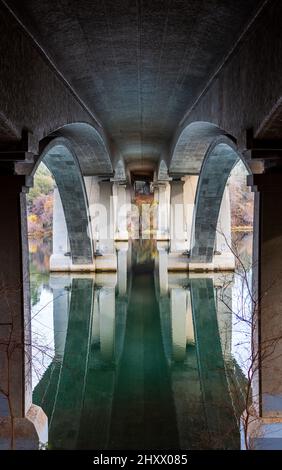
(217, 166)
(70, 204)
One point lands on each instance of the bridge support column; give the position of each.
(93, 194)
(23, 425)
(265, 425)
(163, 190)
(61, 260)
(156, 206)
(121, 211)
(189, 195)
(101, 208)
(177, 259)
(106, 247)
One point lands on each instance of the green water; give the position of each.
(136, 369)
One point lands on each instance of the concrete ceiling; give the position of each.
(138, 65)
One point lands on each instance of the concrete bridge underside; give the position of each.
(181, 90)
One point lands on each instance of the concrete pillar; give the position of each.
(23, 425)
(156, 205)
(178, 241)
(163, 210)
(121, 211)
(106, 228)
(265, 431)
(189, 195)
(102, 221)
(93, 196)
(61, 257)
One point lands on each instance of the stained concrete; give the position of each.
(137, 65)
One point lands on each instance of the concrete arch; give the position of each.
(191, 145)
(90, 147)
(219, 160)
(61, 160)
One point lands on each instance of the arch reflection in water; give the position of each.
(147, 367)
(85, 325)
(208, 385)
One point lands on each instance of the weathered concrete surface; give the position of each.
(217, 166)
(140, 65)
(121, 210)
(32, 96)
(162, 195)
(228, 80)
(102, 217)
(90, 147)
(64, 166)
(35, 98)
(189, 196)
(212, 371)
(178, 238)
(191, 147)
(15, 328)
(246, 91)
(267, 282)
(178, 262)
(28, 433)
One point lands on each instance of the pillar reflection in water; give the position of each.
(207, 383)
(83, 368)
(142, 359)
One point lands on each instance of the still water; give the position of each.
(141, 359)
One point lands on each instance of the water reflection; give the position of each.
(138, 360)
